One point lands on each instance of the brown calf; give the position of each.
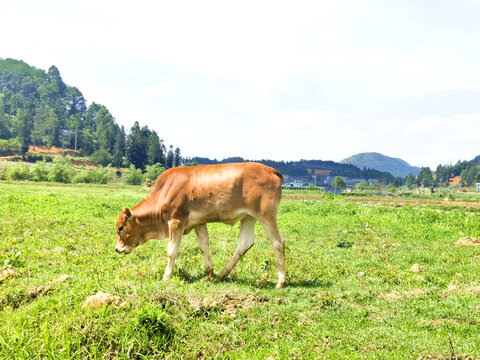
(188, 198)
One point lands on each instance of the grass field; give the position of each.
(351, 291)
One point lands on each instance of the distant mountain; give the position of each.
(372, 160)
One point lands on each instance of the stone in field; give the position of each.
(7, 272)
(468, 241)
(101, 299)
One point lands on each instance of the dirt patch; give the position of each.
(444, 321)
(399, 202)
(57, 250)
(301, 197)
(474, 290)
(206, 303)
(448, 357)
(415, 292)
(454, 289)
(391, 296)
(34, 290)
(451, 289)
(468, 241)
(396, 295)
(163, 298)
(227, 304)
(101, 299)
(390, 246)
(7, 272)
(51, 150)
(231, 304)
(305, 321)
(417, 268)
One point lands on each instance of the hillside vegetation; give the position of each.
(38, 108)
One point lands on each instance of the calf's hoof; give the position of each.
(280, 284)
(209, 275)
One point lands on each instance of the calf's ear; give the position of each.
(127, 212)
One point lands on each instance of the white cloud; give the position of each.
(314, 79)
(424, 125)
(461, 126)
(160, 90)
(442, 140)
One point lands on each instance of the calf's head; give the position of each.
(129, 232)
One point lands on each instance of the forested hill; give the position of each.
(373, 160)
(38, 108)
(309, 167)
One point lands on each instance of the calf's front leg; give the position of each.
(202, 239)
(175, 232)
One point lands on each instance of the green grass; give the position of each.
(350, 292)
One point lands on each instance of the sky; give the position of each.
(278, 80)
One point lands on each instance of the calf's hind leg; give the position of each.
(278, 242)
(202, 239)
(245, 242)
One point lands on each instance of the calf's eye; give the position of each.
(120, 228)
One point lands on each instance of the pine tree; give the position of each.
(410, 180)
(177, 158)
(137, 144)
(154, 151)
(425, 177)
(169, 159)
(119, 149)
(25, 119)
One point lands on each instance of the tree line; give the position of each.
(302, 167)
(469, 172)
(38, 109)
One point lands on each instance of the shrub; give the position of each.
(61, 170)
(101, 157)
(3, 170)
(10, 147)
(18, 172)
(101, 175)
(39, 171)
(365, 186)
(133, 176)
(154, 171)
(34, 157)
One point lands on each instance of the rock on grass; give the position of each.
(101, 299)
(7, 272)
(468, 241)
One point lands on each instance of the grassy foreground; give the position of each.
(351, 290)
